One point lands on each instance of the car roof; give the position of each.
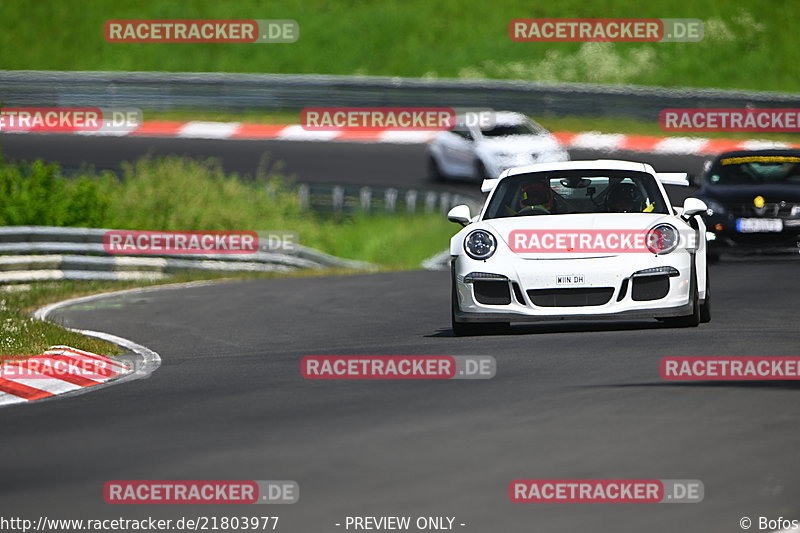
(598, 164)
(764, 151)
(501, 118)
(509, 117)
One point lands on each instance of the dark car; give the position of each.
(753, 199)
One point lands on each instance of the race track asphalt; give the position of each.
(570, 400)
(576, 400)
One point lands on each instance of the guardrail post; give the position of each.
(365, 197)
(304, 196)
(430, 201)
(337, 197)
(411, 201)
(390, 200)
(444, 198)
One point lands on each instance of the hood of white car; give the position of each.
(592, 224)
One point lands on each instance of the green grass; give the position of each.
(641, 127)
(749, 44)
(251, 116)
(182, 194)
(21, 335)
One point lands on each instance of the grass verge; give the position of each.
(747, 44)
(181, 194)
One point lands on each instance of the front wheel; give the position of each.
(705, 307)
(687, 321)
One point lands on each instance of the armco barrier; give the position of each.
(326, 198)
(39, 253)
(162, 91)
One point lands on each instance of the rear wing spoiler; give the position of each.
(488, 185)
(680, 179)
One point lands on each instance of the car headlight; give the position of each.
(714, 208)
(662, 239)
(480, 244)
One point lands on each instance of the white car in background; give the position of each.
(515, 262)
(475, 153)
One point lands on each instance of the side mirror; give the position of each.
(693, 206)
(460, 215)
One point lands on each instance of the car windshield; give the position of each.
(757, 169)
(576, 191)
(504, 130)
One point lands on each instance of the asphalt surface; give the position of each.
(377, 164)
(579, 400)
(572, 400)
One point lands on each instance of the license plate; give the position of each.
(570, 279)
(759, 225)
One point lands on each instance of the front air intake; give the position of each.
(650, 288)
(492, 292)
(578, 297)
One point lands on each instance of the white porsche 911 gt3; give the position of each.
(472, 152)
(579, 240)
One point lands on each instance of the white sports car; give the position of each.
(472, 152)
(579, 240)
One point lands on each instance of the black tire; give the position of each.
(434, 172)
(467, 329)
(687, 321)
(705, 307)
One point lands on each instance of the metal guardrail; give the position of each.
(162, 91)
(348, 199)
(39, 253)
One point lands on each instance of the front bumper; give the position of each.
(600, 288)
(727, 240)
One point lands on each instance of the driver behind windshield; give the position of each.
(536, 197)
(624, 198)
